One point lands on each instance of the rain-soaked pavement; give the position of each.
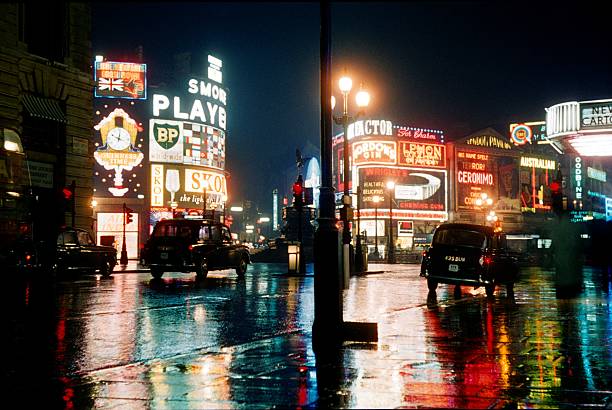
(129, 342)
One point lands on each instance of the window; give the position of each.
(216, 233)
(227, 237)
(460, 237)
(84, 238)
(68, 238)
(204, 234)
(43, 29)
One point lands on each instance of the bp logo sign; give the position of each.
(166, 135)
(166, 141)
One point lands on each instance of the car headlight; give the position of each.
(481, 261)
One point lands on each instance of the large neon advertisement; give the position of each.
(184, 187)
(183, 142)
(415, 190)
(119, 155)
(120, 80)
(478, 173)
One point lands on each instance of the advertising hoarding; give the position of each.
(186, 186)
(183, 142)
(120, 80)
(478, 173)
(111, 224)
(418, 154)
(415, 190)
(596, 115)
(535, 177)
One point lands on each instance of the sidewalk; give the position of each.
(133, 266)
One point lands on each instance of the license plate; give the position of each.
(164, 255)
(453, 268)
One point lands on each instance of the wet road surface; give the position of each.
(130, 342)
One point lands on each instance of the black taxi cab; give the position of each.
(470, 255)
(193, 245)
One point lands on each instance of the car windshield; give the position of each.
(174, 229)
(461, 237)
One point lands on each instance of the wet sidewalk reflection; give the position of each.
(224, 342)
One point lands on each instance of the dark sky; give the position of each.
(454, 66)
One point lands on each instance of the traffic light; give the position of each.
(69, 198)
(298, 193)
(129, 216)
(556, 195)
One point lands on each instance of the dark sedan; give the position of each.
(193, 245)
(472, 255)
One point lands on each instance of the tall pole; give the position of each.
(328, 320)
(376, 254)
(359, 265)
(346, 199)
(123, 260)
(391, 251)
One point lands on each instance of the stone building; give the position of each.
(46, 104)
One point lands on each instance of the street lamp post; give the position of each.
(391, 251)
(359, 265)
(363, 99)
(376, 199)
(204, 202)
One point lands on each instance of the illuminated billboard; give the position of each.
(418, 154)
(374, 152)
(120, 80)
(420, 134)
(183, 142)
(118, 150)
(185, 187)
(528, 133)
(416, 190)
(497, 176)
(535, 177)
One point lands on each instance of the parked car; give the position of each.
(472, 255)
(193, 245)
(73, 250)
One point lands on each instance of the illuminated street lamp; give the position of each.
(362, 99)
(485, 203)
(376, 199)
(391, 251)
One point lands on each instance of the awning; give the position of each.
(45, 108)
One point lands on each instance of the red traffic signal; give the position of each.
(297, 188)
(555, 187)
(67, 192)
(128, 213)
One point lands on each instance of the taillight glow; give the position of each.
(28, 257)
(190, 247)
(487, 260)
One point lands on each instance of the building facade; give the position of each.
(45, 117)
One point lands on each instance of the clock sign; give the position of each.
(118, 152)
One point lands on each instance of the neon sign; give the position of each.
(120, 80)
(420, 134)
(578, 177)
(374, 152)
(538, 163)
(596, 114)
(488, 141)
(421, 154)
(369, 127)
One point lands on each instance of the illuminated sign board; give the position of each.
(578, 177)
(529, 132)
(120, 80)
(596, 174)
(479, 173)
(488, 141)
(538, 163)
(208, 107)
(412, 133)
(111, 224)
(182, 142)
(420, 154)
(415, 189)
(369, 127)
(118, 149)
(535, 176)
(374, 152)
(185, 186)
(595, 115)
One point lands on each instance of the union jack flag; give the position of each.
(111, 84)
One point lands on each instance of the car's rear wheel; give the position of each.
(202, 270)
(432, 285)
(242, 266)
(156, 273)
(106, 269)
(490, 290)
